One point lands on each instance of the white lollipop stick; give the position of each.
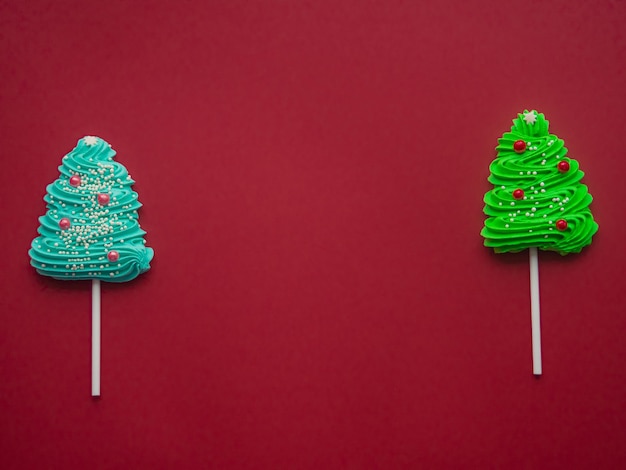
(95, 338)
(534, 310)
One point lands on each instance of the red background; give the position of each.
(312, 175)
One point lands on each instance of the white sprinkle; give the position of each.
(512, 203)
(506, 225)
(542, 184)
(530, 231)
(533, 209)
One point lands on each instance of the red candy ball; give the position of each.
(561, 224)
(64, 223)
(563, 166)
(75, 180)
(113, 256)
(518, 193)
(103, 199)
(519, 146)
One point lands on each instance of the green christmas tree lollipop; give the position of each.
(538, 202)
(90, 230)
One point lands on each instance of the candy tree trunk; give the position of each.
(95, 338)
(535, 319)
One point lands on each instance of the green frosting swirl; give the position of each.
(104, 240)
(550, 195)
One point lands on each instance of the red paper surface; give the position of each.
(312, 175)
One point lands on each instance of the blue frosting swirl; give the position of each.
(91, 228)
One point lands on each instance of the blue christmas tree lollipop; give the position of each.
(91, 230)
